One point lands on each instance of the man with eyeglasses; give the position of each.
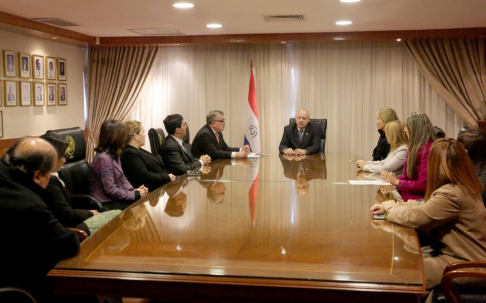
(209, 140)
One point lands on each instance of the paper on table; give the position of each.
(368, 182)
(255, 155)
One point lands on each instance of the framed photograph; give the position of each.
(61, 69)
(51, 94)
(11, 92)
(24, 64)
(1, 124)
(63, 93)
(50, 68)
(25, 93)
(9, 64)
(37, 67)
(38, 92)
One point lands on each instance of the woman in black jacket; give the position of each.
(62, 203)
(140, 166)
(383, 116)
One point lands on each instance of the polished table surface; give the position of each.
(269, 222)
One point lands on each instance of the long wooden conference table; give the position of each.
(253, 230)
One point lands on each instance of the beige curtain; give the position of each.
(345, 82)
(456, 69)
(116, 76)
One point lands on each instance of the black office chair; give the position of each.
(439, 133)
(322, 125)
(450, 292)
(187, 137)
(156, 138)
(15, 294)
(76, 172)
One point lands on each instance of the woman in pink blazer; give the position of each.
(413, 183)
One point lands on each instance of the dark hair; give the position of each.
(474, 141)
(29, 161)
(448, 163)
(172, 122)
(113, 134)
(57, 142)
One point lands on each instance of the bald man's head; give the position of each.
(33, 156)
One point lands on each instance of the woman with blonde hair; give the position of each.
(395, 135)
(383, 117)
(140, 166)
(420, 133)
(453, 214)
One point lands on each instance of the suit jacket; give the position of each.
(143, 168)
(415, 188)
(62, 206)
(33, 241)
(178, 160)
(454, 220)
(205, 143)
(311, 140)
(382, 149)
(107, 182)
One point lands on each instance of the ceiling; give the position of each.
(114, 18)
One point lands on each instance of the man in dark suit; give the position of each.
(209, 140)
(175, 152)
(33, 241)
(302, 138)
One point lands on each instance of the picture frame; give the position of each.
(24, 65)
(61, 69)
(25, 93)
(51, 68)
(10, 90)
(51, 94)
(9, 64)
(38, 93)
(38, 67)
(1, 124)
(62, 93)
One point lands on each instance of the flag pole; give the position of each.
(251, 63)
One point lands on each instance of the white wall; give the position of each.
(35, 120)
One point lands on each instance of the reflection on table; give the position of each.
(256, 231)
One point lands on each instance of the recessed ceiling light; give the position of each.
(344, 22)
(214, 25)
(399, 39)
(349, 1)
(339, 38)
(54, 38)
(283, 42)
(183, 5)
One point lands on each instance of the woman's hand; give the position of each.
(142, 190)
(172, 177)
(389, 177)
(361, 163)
(95, 212)
(377, 209)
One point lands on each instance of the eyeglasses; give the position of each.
(222, 121)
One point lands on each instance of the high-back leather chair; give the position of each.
(475, 291)
(187, 137)
(322, 125)
(76, 171)
(439, 133)
(156, 138)
(15, 294)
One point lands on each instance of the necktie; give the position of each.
(217, 137)
(301, 134)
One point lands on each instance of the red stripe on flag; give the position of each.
(252, 95)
